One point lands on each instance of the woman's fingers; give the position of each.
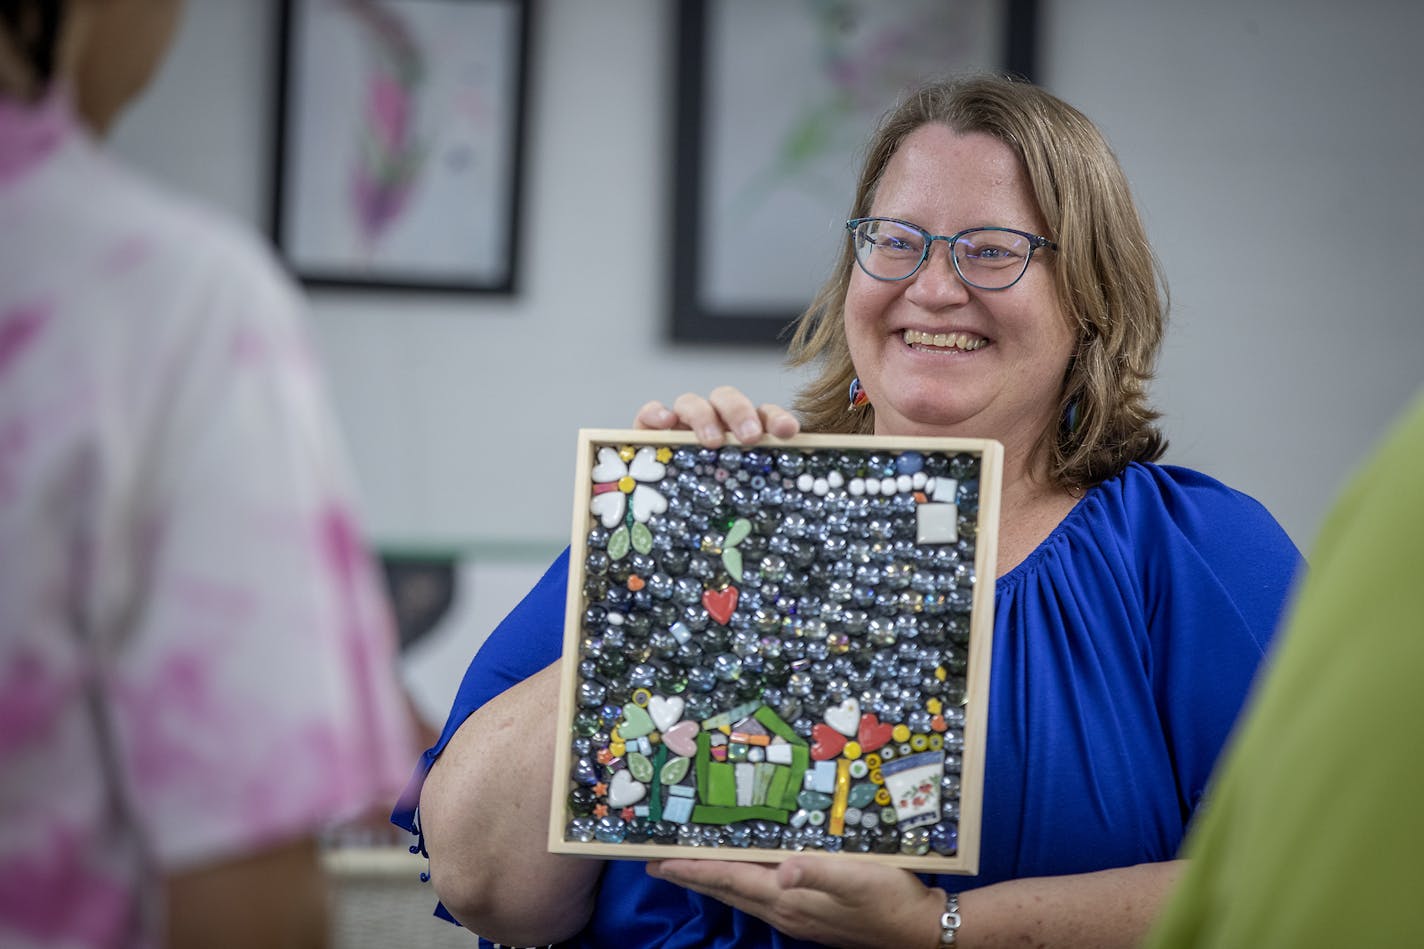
(656, 416)
(737, 413)
(700, 415)
(777, 421)
(725, 409)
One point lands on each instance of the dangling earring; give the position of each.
(858, 395)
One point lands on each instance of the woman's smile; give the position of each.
(926, 342)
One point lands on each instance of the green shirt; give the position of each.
(1313, 833)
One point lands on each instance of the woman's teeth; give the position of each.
(961, 341)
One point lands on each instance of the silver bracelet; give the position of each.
(949, 922)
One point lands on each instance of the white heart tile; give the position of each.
(645, 465)
(666, 712)
(608, 507)
(623, 790)
(844, 718)
(610, 467)
(647, 502)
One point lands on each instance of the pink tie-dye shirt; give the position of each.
(196, 658)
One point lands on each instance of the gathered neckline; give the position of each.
(1030, 563)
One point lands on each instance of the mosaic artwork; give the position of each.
(779, 647)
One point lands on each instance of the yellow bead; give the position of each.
(617, 748)
(882, 797)
(641, 697)
(919, 742)
(626, 452)
(872, 760)
(876, 777)
(626, 484)
(936, 742)
(941, 673)
(851, 750)
(901, 733)
(664, 454)
(934, 706)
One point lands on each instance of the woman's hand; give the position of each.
(833, 902)
(844, 903)
(723, 410)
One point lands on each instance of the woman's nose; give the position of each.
(937, 282)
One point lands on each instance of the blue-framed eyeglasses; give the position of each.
(990, 258)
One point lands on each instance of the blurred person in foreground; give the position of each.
(195, 652)
(1313, 830)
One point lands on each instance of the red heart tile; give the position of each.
(872, 734)
(720, 603)
(828, 742)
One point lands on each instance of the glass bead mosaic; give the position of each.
(780, 647)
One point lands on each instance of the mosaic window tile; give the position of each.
(782, 647)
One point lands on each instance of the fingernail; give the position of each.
(748, 430)
(711, 435)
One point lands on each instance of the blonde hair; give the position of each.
(1108, 280)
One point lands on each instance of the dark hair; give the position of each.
(32, 26)
(1107, 278)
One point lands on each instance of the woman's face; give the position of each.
(937, 356)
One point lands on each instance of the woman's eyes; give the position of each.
(889, 242)
(992, 253)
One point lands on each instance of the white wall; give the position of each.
(1298, 123)
(1274, 146)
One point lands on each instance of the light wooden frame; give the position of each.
(976, 680)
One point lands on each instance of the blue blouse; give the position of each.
(1124, 646)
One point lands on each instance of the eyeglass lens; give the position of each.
(989, 259)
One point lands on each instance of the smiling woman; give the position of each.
(1053, 168)
(1133, 604)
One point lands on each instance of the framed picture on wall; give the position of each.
(774, 103)
(399, 142)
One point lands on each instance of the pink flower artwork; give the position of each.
(389, 153)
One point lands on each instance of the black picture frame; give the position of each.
(697, 316)
(399, 142)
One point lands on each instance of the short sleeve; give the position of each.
(1217, 576)
(1124, 647)
(253, 694)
